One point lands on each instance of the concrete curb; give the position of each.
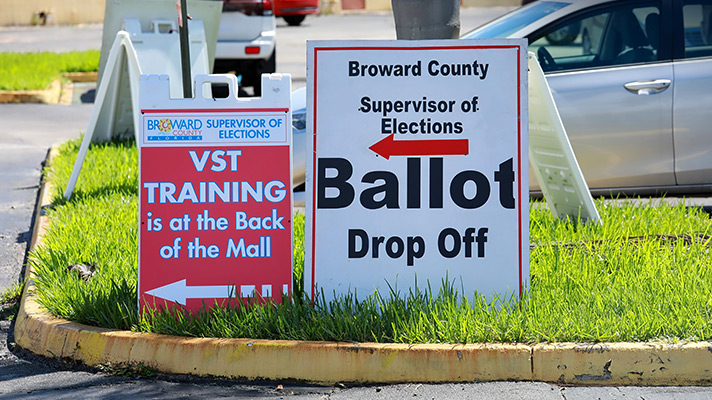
(607, 364)
(47, 96)
(82, 76)
(58, 92)
(683, 363)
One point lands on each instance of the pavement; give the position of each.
(27, 129)
(23, 145)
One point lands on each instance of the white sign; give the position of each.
(418, 168)
(552, 156)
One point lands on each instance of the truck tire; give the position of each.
(294, 20)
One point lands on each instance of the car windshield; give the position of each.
(514, 21)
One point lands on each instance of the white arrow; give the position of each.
(179, 291)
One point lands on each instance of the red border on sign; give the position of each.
(519, 136)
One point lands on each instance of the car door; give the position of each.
(692, 99)
(611, 78)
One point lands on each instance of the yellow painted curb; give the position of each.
(685, 363)
(57, 93)
(47, 96)
(82, 76)
(330, 362)
(322, 362)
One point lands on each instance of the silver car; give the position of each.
(633, 84)
(299, 144)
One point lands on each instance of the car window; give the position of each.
(697, 20)
(610, 36)
(514, 21)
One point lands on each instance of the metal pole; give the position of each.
(426, 19)
(184, 49)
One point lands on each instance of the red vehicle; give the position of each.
(294, 11)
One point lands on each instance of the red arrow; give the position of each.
(388, 147)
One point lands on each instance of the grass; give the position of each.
(10, 301)
(644, 274)
(37, 70)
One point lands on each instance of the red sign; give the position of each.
(215, 207)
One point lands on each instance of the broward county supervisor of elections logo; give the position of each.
(179, 129)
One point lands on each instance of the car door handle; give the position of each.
(645, 88)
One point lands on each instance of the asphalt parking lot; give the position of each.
(30, 129)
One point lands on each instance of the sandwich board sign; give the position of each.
(552, 158)
(418, 167)
(215, 199)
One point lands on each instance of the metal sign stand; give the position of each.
(184, 48)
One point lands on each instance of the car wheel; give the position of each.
(294, 20)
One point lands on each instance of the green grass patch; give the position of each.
(644, 274)
(37, 70)
(12, 294)
(10, 301)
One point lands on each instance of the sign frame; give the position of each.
(226, 228)
(316, 52)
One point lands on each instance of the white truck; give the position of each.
(246, 41)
